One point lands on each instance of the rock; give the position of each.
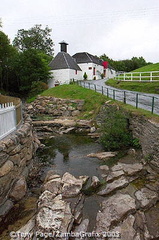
(54, 214)
(114, 210)
(82, 228)
(5, 208)
(104, 168)
(126, 229)
(95, 182)
(114, 175)
(129, 169)
(71, 185)
(51, 175)
(146, 197)
(6, 168)
(19, 189)
(92, 129)
(75, 113)
(102, 155)
(27, 228)
(132, 151)
(115, 185)
(68, 130)
(54, 186)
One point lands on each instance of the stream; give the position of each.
(62, 153)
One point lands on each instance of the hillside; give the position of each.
(148, 68)
(147, 87)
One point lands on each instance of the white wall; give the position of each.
(85, 68)
(110, 73)
(63, 76)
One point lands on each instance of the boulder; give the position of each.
(19, 189)
(54, 214)
(129, 169)
(146, 197)
(54, 186)
(113, 210)
(82, 228)
(126, 229)
(115, 185)
(114, 175)
(95, 182)
(102, 155)
(71, 185)
(6, 168)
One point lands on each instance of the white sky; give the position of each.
(119, 28)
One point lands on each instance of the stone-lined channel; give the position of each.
(127, 203)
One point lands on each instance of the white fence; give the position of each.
(7, 119)
(139, 76)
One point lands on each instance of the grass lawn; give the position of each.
(146, 87)
(93, 100)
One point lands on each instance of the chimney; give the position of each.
(63, 46)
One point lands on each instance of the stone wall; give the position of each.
(16, 155)
(54, 107)
(147, 131)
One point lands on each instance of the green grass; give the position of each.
(93, 100)
(148, 68)
(146, 87)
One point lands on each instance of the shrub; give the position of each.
(85, 76)
(115, 130)
(37, 87)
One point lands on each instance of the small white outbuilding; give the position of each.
(64, 68)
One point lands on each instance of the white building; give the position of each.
(65, 68)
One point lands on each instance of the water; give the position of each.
(63, 153)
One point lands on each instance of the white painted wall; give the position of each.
(63, 76)
(85, 68)
(110, 73)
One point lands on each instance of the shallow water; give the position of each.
(64, 153)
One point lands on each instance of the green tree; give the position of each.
(31, 67)
(35, 38)
(7, 53)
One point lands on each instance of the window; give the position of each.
(90, 68)
(76, 72)
(94, 71)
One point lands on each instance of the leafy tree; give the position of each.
(34, 38)
(7, 53)
(31, 67)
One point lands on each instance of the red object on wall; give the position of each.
(105, 64)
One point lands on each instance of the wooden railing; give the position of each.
(139, 76)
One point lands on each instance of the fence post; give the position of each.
(124, 97)
(153, 102)
(107, 92)
(124, 76)
(114, 94)
(89, 85)
(102, 90)
(140, 77)
(150, 76)
(95, 88)
(137, 99)
(131, 76)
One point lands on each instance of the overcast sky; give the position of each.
(119, 28)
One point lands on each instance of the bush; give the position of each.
(85, 76)
(115, 130)
(37, 88)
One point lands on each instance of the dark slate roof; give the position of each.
(85, 57)
(64, 61)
